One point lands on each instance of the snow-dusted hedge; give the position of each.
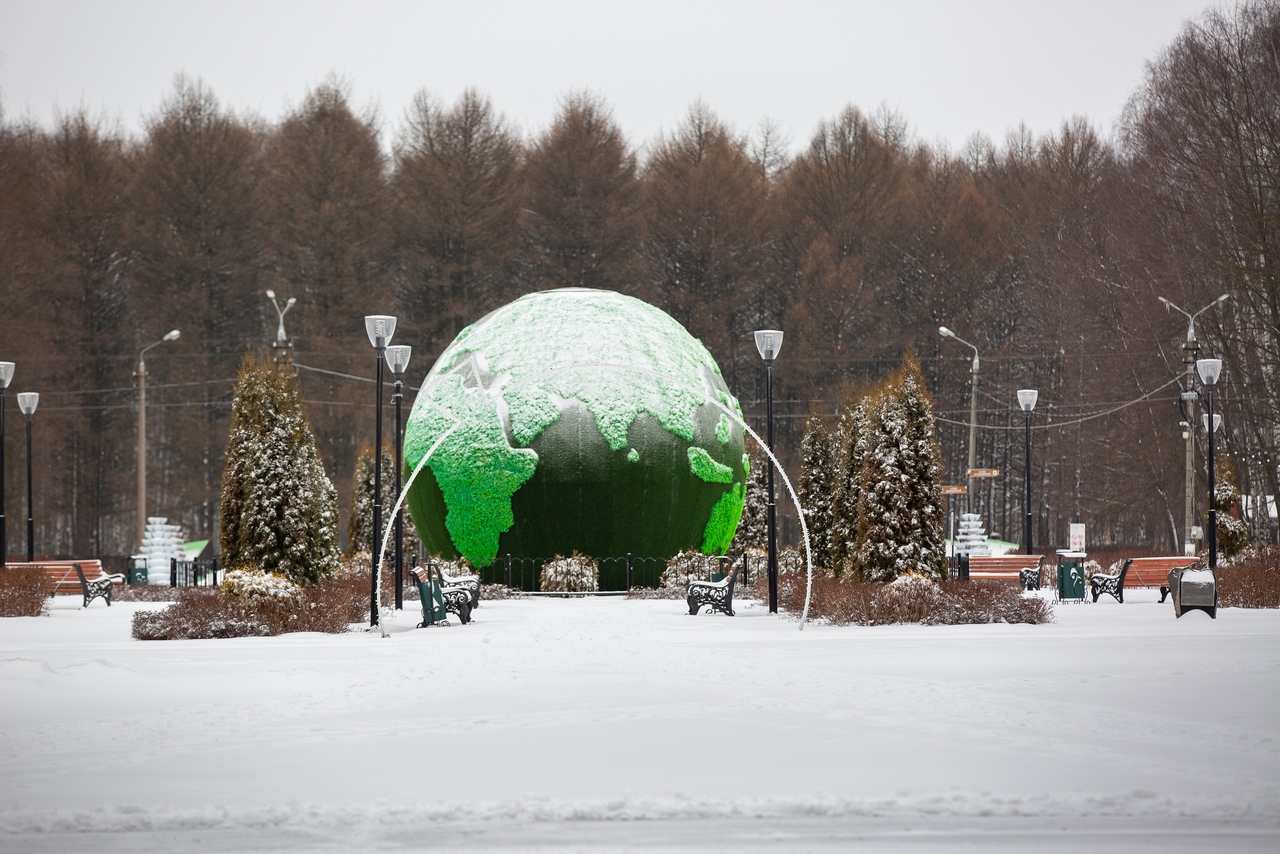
(206, 612)
(575, 574)
(688, 566)
(23, 592)
(250, 581)
(912, 598)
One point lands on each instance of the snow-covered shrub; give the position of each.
(251, 581)
(574, 574)
(279, 511)
(23, 591)
(909, 598)
(688, 566)
(205, 612)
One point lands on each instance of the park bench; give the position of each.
(1139, 572)
(456, 598)
(716, 595)
(76, 577)
(1023, 569)
(470, 582)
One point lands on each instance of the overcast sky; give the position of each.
(950, 68)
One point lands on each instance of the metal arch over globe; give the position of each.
(575, 419)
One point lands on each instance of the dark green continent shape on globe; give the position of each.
(575, 420)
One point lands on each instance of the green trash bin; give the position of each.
(1071, 576)
(137, 573)
(433, 610)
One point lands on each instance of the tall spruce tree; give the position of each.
(753, 527)
(845, 486)
(900, 504)
(279, 510)
(817, 452)
(360, 519)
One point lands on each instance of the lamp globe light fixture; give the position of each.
(380, 328)
(1209, 371)
(6, 374)
(282, 345)
(27, 402)
(1027, 400)
(1191, 350)
(398, 361)
(769, 342)
(973, 412)
(172, 335)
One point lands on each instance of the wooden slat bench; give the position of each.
(1024, 570)
(76, 577)
(1140, 572)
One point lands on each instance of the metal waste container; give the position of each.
(137, 573)
(1071, 576)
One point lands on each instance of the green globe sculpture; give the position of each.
(575, 420)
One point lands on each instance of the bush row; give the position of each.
(909, 599)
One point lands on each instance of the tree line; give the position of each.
(1046, 253)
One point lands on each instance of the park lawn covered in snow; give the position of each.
(608, 724)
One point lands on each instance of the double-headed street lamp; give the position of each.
(1027, 400)
(6, 374)
(398, 361)
(973, 413)
(27, 402)
(769, 342)
(142, 432)
(1191, 348)
(380, 328)
(282, 344)
(1209, 371)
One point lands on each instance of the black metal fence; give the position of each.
(194, 573)
(616, 573)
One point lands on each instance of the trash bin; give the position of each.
(1071, 576)
(137, 573)
(433, 610)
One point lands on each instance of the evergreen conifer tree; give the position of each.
(1231, 531)
(846, 483)
(900, 503)
(814, 488)
(753, 527)
(360, 517)
(279, 510)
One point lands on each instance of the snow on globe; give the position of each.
(575, 420)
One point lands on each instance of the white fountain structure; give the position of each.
(972, 537)
(161, 542)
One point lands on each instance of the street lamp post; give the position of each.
(769, 342)
(398, 361)
(1027, 400)
(1191, 348)
(973, 414)
(142, 432)
(1209, 371)
(27, 402)
(380, 328)
(6, 374)
(282, 345)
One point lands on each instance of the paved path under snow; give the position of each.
(586, 724)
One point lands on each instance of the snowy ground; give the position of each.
(609, 725)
